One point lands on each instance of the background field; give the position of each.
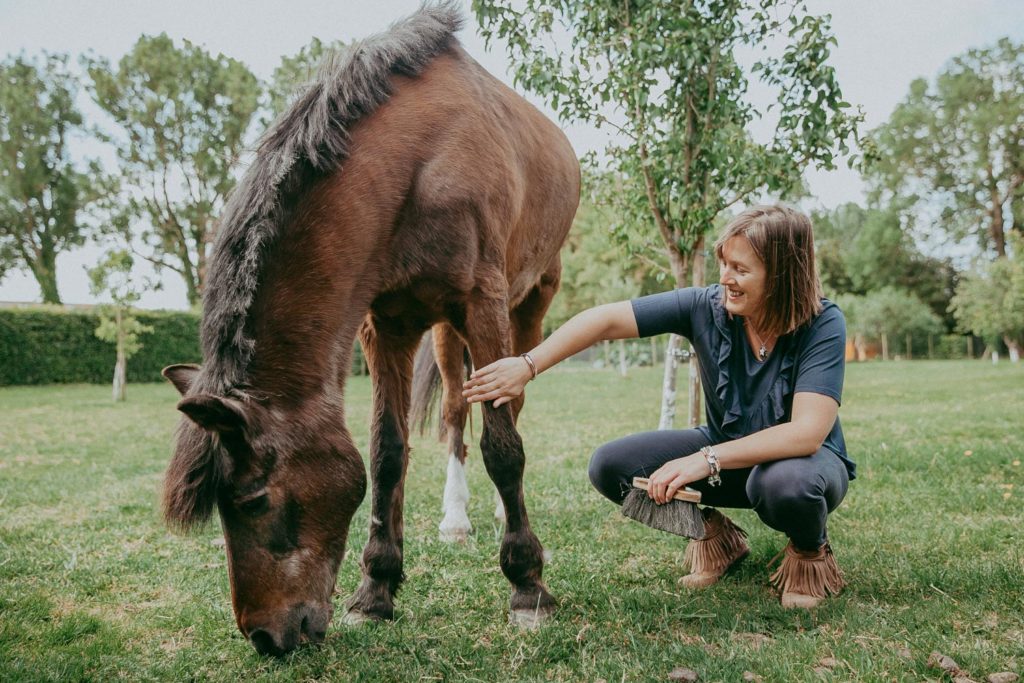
(92, 587)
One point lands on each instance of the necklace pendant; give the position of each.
(762, 352)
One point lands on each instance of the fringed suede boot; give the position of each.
(724, 544)
(806, 577)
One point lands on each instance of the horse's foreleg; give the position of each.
(527, 330)
(449, 350)
(390, 360)
(521, 555)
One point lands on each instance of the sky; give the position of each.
(883, 45)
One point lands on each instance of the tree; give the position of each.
(184, 115)
(860, 250)
(886, 314)
(989, 301)
(43, 196)
(112, 277)
(670, 75)
(594, 271)
(957, 145)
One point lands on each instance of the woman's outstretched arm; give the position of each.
(504, 379)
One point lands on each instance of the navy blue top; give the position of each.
(741, 394)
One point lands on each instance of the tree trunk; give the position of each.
(885, 346)
(1013, 347)
(697, 265)
(861, 347)
(606, 350)
(120, 366)
(191, 289)
(970, 346)
(45, 272)
(997, 228)
(654, 351)
(909, 348)
(680, 271)
(623, 365)
(668, 382)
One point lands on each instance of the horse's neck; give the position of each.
(307, 313)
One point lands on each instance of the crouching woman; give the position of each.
(772, 357)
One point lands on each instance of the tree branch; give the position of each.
(158, 262)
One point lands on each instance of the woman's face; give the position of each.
(744, 276)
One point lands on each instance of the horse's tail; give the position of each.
(426, 385)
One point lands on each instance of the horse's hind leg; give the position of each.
(521, 555)
(390, 359)
(449, 351)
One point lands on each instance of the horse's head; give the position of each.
(286, 485)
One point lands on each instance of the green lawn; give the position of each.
(92, 587)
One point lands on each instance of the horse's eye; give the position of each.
(253, 504)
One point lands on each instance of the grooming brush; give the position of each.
(679, 516)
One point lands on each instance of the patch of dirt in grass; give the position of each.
(178, 641)
(754, 641)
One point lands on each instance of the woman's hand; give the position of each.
(674, 475)
(501, 381)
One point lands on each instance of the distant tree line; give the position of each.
(946, 169)
(181, 121)
(945, 175)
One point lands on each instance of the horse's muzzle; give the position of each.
(303, 623)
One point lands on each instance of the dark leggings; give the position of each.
(793, 495)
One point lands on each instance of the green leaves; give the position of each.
(989, 301)
(43, 196)
(666, 76)
(112, 277)
(956, 144)
(183, 116)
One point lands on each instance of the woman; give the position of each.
(772, 356)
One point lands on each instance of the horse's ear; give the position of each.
(181, 376)
(214, 413)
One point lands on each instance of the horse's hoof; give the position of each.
(455, 535)
(530, 619)
(354, 617)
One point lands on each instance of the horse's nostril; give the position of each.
(265, 643)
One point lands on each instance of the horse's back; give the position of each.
(496, 177)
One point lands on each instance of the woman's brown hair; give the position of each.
(783, 239)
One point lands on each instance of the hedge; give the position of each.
(53, 345)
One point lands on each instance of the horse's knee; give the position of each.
(502, 448)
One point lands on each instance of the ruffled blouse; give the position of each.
(741, 394)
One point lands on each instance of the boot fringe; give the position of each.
(808, 573)
(722, 544)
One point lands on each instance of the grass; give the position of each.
(92, 587)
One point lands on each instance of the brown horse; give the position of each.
(405, 188)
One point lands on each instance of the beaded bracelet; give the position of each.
(715, 478)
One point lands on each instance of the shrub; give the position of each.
(52, 345)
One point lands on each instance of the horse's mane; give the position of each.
(308, 140)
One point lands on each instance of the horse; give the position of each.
(405, 189)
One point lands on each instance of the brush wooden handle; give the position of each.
(685, 493)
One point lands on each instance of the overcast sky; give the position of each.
(883, 46)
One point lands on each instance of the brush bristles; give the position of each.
(676, 517)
